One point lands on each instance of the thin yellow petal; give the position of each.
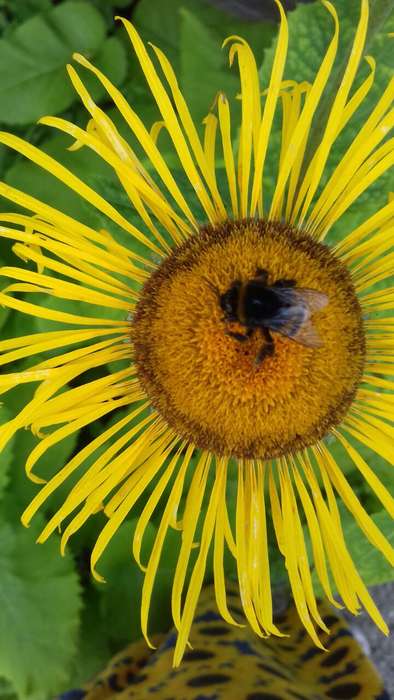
(374, 222)
(250, 101)
(197, 576)
(290, 549)
(315, 533)
(191, 516)
(126, 463)
(52, 315)
(135, 486)
(150, 506)
(199, 153)
(316, 167)
(73, 464)
(75, 183)
(242, 532)
(65, 290)
(142, 135)
(218, 554)
(171, 121)
(304, 122)
(269, 109)
(155, 555)
(225, 130)
(369, 475)
(351, 501)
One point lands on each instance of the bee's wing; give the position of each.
(314, 300)
(293, 318)
(293, 322)
(306, 335)
(309, 299)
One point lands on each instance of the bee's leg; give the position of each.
(284, 283)
(266, 350)
(262, 274)
(240, 336)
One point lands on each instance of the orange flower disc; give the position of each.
(206, 384)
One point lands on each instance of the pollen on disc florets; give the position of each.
(206, 384)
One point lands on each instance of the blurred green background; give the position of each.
(57, 626)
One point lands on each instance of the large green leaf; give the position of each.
(6, 690)
(121, 593)
(164, 28)
(204, 64)
(21, 10)
(191, 33)
(112, 59)
(370, 563)
(110, 8)
(161, 27)
(32, 60)
(40, 611)
(93, 650)
(13, 12)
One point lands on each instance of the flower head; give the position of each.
(246, 340)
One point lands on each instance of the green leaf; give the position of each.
(6, 690)
(17, 324)
(201, 55)
(204, 65)
(371, 564)
(191, 33)
(33, 60)
(121, 594)
(93, 650)
(21, 10)
(13, 12)
(110, 8)
(161, 26)
(164, 27)
(4, 313)
(40, 612)
(113, 61)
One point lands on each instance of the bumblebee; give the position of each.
(280, 307)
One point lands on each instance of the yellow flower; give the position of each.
(226, 384)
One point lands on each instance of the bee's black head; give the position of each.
(229, 301)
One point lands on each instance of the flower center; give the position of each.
(249, 339)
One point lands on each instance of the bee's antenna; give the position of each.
(212, 286)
